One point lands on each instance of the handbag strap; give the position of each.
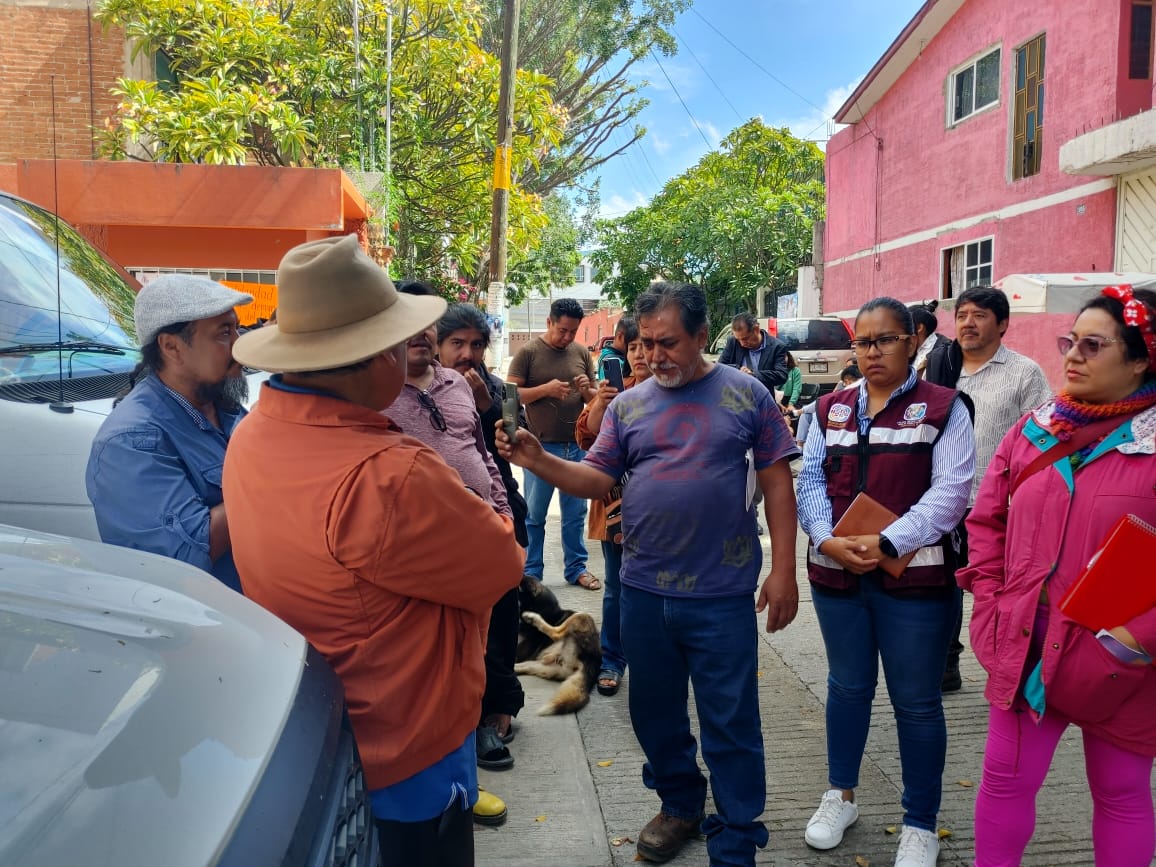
(1083, 437)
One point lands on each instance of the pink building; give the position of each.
(950, 171)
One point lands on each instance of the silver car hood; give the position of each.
(140, 700)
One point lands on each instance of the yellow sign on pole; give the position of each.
(502, 168)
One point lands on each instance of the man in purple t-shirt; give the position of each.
(690, 566)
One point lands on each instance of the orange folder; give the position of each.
(866, 516)
(1118, 583)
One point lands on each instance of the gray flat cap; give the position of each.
(173, 298)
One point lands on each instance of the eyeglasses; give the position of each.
(886, 344)
(435, 415)
(1088, 347)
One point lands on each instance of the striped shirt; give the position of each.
(938, 510)
(1007, 386)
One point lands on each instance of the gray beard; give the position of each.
(231, 392)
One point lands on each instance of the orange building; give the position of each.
(232, 223)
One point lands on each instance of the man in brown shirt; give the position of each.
(555, 379)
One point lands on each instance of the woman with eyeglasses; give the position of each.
(1058, 483)
(604, 523)
(908, 445)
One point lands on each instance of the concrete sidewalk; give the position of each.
(576, 797)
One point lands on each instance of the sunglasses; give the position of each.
(435, 415)
(1088, 347)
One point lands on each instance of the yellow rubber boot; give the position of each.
(490, 809)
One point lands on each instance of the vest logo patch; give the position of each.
(839, 413)
(915, 413)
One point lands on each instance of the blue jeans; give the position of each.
(613, 656)
(910, 635)
(538, 496)
(713, 643)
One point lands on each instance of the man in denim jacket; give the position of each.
(154, 472)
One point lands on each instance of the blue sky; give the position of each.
(817, 49)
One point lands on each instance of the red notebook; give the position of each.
(1119, 582)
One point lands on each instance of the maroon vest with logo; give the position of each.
(892, 463)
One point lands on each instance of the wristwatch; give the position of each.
(887, 547)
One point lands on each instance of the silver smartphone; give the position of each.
(510, 410)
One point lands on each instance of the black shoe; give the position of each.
(951, 682)
(492, 753)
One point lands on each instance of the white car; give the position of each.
(149, 715)
(66, 349)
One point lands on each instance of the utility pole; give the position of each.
(496, 303)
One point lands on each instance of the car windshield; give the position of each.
(812, 334)
(93, 334)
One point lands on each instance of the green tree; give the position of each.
(280, 83)
(736, 223)
(587, 49)
(551, 263)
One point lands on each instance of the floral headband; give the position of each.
(1136, 314)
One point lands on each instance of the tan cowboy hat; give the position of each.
(335, 306)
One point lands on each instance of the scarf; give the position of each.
(1069, 413)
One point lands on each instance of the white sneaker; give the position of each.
(917, 848)
(834, 816)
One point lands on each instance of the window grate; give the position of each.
(1028, 126)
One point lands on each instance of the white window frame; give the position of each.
(976, 242)
(972, 64)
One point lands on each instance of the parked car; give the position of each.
(67, 347)
(821, 347)
(150, 715)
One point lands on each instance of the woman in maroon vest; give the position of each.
(909, 446)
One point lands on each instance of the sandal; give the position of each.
(589, 581)
(495, 720)
(492, 753)
(609, 681)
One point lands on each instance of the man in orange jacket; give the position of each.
(338, 525)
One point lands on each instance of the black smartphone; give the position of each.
(510, 409)
(613, 369)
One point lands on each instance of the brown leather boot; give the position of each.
(664, 835)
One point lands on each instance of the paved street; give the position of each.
(576, 798)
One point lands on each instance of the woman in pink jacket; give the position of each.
(1045, 671)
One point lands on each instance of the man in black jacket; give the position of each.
(756, 352)
(463, 335)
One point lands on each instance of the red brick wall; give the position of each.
(37, 42)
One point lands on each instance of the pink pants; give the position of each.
(1015, 763)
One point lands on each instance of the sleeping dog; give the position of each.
(557, 644)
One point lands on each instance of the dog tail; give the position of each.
(572, 696)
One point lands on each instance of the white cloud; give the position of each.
(686, 78)
(661, 145)
(618, 205)
(817, 124)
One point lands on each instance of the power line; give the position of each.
(708, 75)
(774, 77)
(636, 172)
(650, 168)
(694, 122)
